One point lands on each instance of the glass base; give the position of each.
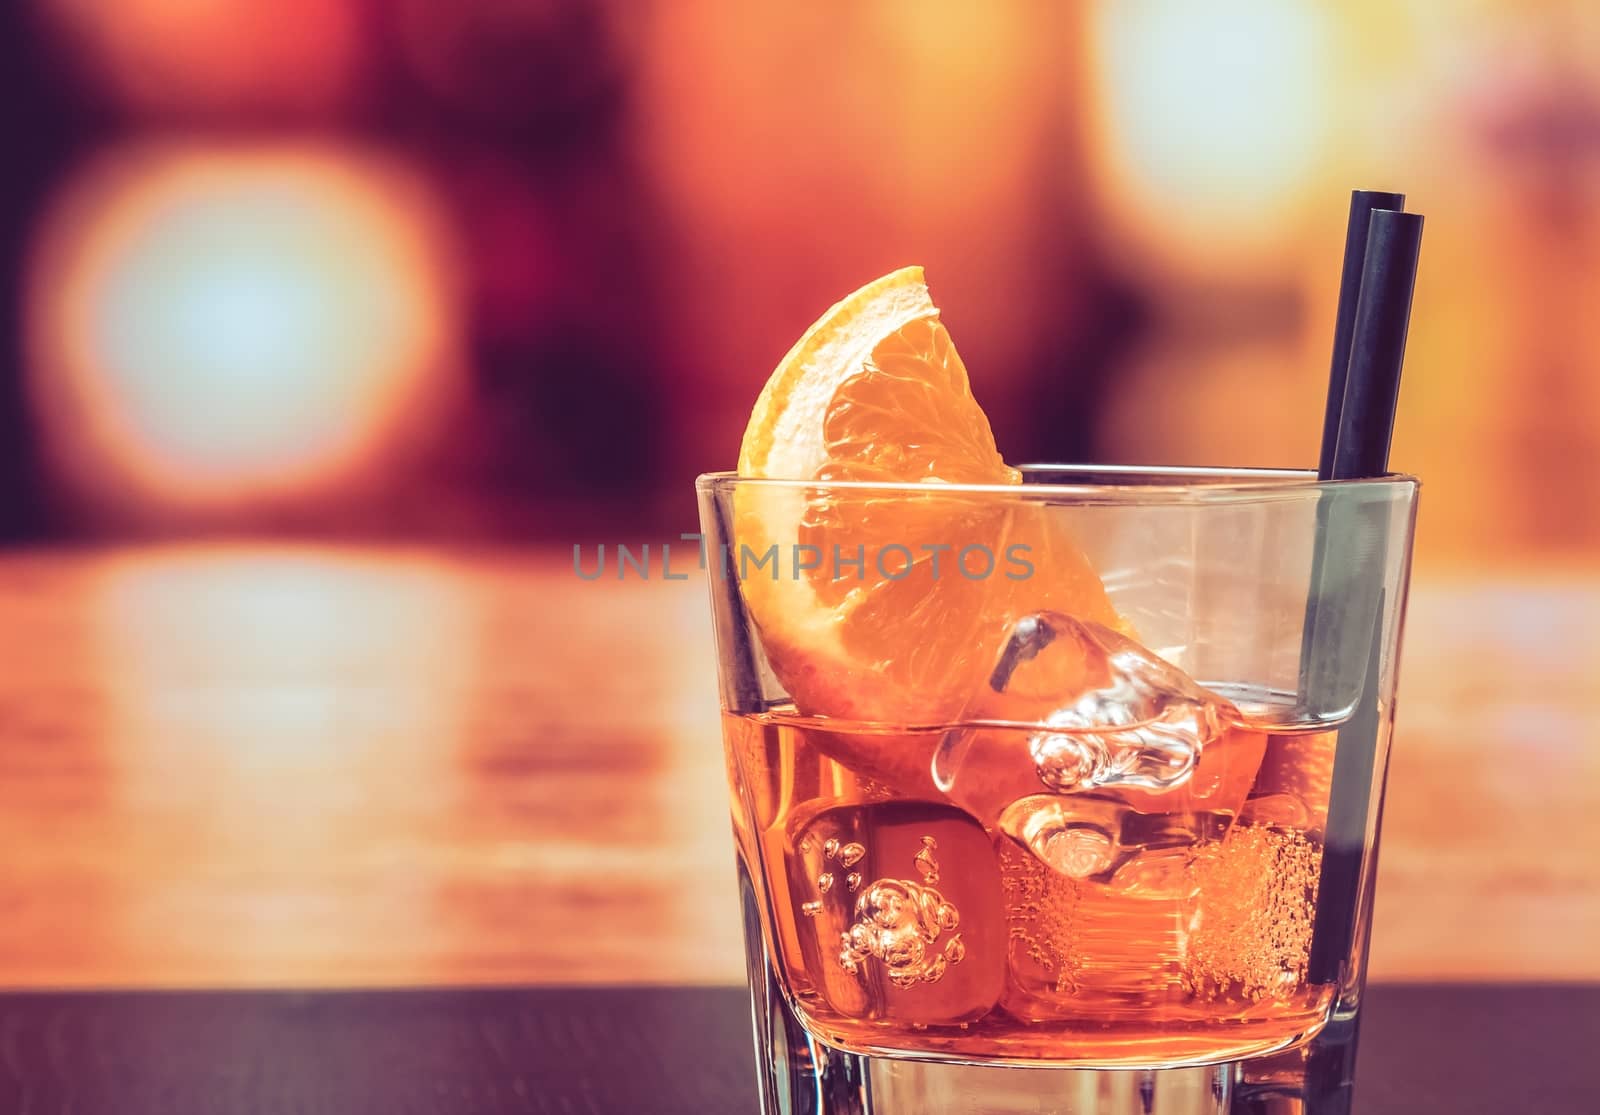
(799, 1075)
(913, 1086)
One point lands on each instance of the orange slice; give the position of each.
(890, 607)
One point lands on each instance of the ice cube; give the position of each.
(1122, 716)
(1097, 755)
(901, 912)
(1101, 838)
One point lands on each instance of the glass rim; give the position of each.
(1143, 483)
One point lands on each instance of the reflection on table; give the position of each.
(291, 765)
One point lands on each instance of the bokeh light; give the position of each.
(198, 56)
(217, 325)
(1187, 142)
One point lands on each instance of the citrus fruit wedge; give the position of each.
(890, 606)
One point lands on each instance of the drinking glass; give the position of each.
(1104, 867)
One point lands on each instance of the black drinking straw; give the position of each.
(1362, 430)
(1377, 347)
(1320, 659)
(1362, 203)
(1315, 650)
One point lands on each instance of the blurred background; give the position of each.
(327, 327)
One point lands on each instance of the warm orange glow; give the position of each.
(284, 704)
(214, 325)
(910, 139)
(216, 54)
